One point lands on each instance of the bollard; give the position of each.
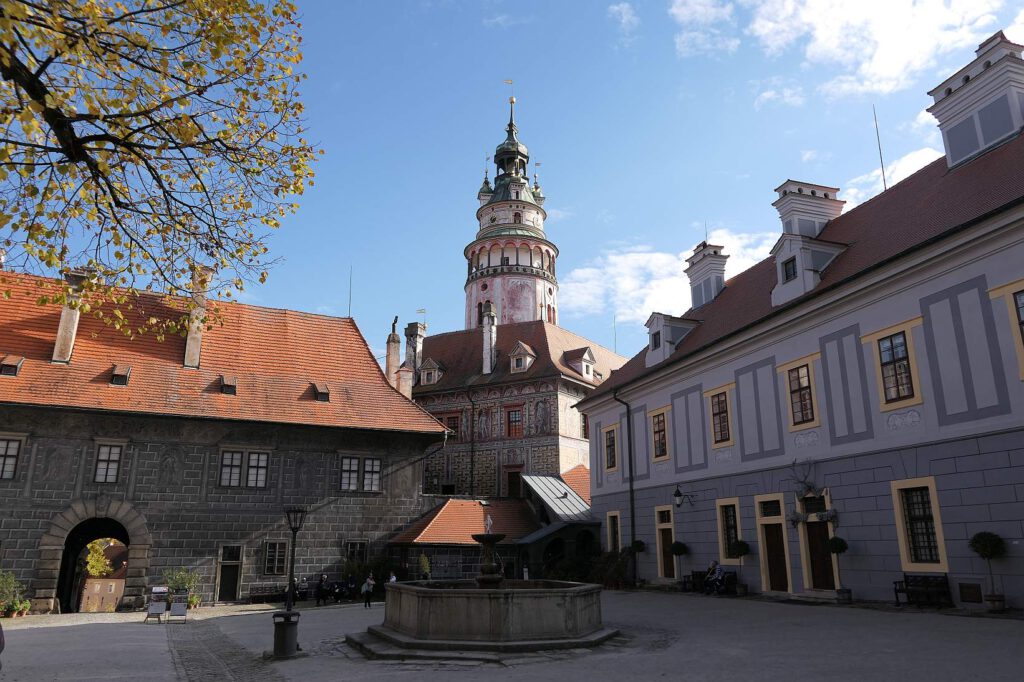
(286, 634)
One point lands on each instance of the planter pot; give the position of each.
(741, 589)
(996, 602)
(844, 595)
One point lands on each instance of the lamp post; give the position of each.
(286, 623)
(679, 497)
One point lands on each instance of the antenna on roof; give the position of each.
(350, 291)
(878, 138)
(615, 334)
(705, 231)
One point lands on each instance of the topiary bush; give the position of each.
(680, 548)
(739, 548)
(988, 546)
(837, 545)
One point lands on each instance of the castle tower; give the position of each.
(511, 263)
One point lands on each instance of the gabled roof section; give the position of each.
(522, 349)
(933, 203)
(579, 354)
(578, 478)
(454, 522)
(461, 354)
(430, 363)
(562, 502)
(327, 350)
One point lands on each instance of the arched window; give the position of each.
(550, 319)
(517, 218)
(479, 314)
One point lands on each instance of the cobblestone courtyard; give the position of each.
(665, 636)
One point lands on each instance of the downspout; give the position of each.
(632, 498)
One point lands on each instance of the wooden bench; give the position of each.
(923, 590)
(259, 594)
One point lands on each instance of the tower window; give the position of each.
(517, 218)
(515, 195)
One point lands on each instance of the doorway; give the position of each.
(820, 572)
(665, 534)
(230, 573)
(72, 575)
(775, 572)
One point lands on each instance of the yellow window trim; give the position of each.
(657, 537)
(604, 444)
(872, 339)
(784, 371)
(608, 529)
(901, 525)
(1006, 292)
(668, 434)
(725, 502)
(762, 545)
(729, 389)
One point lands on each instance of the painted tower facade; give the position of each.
(510, 262)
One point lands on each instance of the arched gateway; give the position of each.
(83, 521)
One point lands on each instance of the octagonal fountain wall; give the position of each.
(521, 610)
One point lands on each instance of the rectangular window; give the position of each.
(922, 545)
(231, 468)
(108, 461)
(256, 475)
(355, 552)
(371, 475)
(514, 423)
(274, 558)
(9, 457)
(660, 436)
(610, 461)
(800, 395)
(729, 528)
(614, 536)
(585, 427)
(1018, 300)
(518, 363)
(350, 473)
(452, 422)
(720, 417)
(655, 340)
(789, 270)
(895, 365)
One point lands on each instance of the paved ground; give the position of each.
(666, 636)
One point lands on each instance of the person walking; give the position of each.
(368, 590)
(392, 578)
(323, 590)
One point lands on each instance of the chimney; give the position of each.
(805, 208)
(67, 330)
(394, 351)
(982, 104)
(706, 270)
(414, 333)
(3, 258)
(201, 277)
(490, 329)
(403, 380)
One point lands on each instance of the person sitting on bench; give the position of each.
(714, 579)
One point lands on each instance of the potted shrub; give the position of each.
(990, 546)
(739, 549)
(10, 593)
(837, 546)
(638, 546)
(23, 606)
(194, 600)
(679, 548)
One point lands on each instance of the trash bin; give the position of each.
(286, 634)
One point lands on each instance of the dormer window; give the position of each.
(228, 385)
(655, 340)
(789, 270)
(120, 375)
(586, 369)
(521, 357)
(322, 393)
(430, 372)
(11, 365)
(428, 377)
(517, 363)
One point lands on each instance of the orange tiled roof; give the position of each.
(275, 355)
(455, 522)
(578, 478)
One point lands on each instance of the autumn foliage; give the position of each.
(145, 141)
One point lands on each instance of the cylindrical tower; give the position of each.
(511, 263)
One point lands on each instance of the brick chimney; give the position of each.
(393, 356)
(403, 380)
(201, 278)
(706, 271)
(414, 333)
(67, 330)
(490, 330)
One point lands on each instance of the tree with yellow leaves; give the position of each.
(149, 144)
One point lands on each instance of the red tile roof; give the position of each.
(456, 521)
(275, 355)
(461, 355)
(930, 204)
(578, 478)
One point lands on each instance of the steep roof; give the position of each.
(578, 478)
(932, 203)
(562, 502)
(275, 355)
(456, 521)
(461, 354)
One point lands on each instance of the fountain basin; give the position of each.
(522, 611)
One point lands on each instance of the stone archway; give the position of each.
(51, 549)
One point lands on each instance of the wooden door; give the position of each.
(668, 560)
(775, 557)
(230, 572)
(822, 577)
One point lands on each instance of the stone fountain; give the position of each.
(489, 615)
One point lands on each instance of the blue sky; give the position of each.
(651, 119)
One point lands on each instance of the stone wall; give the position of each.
(168, 497)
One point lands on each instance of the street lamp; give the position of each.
(679, 498)
(296, 516)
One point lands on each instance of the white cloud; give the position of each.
(625, 15)
(808, 155)
(505, 21)
(863, 187)
(634, 281)
(1015, 31)
(558, 214)
(790, 95)
(925, 128)
(705, 26)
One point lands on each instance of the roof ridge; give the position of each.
(581, 337)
